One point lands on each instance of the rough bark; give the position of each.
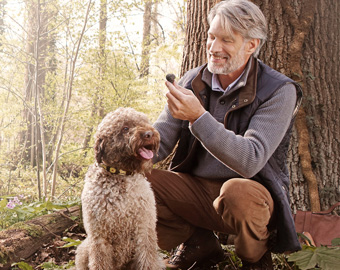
(23, 239)
(303, 43)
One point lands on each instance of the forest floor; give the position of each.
(54, 253)
(55, 256)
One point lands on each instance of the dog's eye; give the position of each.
(125, 129)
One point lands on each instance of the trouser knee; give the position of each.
(244, 200)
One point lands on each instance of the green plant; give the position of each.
(22, 265)
(12, 210)
(71, 242)
(46, 265)
(311, 257)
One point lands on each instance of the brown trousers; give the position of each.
(241, 207)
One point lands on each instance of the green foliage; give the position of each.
(336, 242)
(105, 78)
(233, 261)
(70, 242)
(46, 265)
(22, 266)
(316, 257)
(25, 211)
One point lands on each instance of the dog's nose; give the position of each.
(147, 134)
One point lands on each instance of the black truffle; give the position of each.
(170, 77)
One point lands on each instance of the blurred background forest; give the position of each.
(64, 65)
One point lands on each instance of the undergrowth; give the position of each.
(14, 209)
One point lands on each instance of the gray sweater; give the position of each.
(223, 154)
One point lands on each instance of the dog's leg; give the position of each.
(82, 256)
(147, 256)
(102, 256)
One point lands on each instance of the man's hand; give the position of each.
(182, 103)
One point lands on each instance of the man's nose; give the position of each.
(214, 46)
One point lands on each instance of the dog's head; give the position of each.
(126, 140)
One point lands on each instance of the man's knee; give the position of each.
(244, 199)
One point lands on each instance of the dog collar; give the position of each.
(114, 170)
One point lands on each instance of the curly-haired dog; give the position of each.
(118, 203)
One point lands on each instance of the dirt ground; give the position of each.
(59, 258)
(54, 252)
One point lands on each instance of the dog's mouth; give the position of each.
(146, 152)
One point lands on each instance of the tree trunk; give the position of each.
(36, 50)
(147, 17)
(27, 136)
(102, 54)
(194, 53)
(23, 239)
(303, 43)
(97, 103)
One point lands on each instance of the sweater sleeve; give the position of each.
(169, 129)
(248, 154)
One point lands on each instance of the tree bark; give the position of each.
(194, 53)
(23, 239)
(303, 43)
(147, 18)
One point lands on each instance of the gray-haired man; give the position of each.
(232, 120)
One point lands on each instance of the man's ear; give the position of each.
(252, 45)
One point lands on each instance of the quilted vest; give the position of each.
(262, 82)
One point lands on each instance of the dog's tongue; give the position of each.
(145, 153)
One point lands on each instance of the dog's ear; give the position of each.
(99, 150)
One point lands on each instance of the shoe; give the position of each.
(265, 263)
(202, 248)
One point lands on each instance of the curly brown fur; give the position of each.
(119, 210)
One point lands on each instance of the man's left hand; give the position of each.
(182, 103)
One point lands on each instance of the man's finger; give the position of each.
(173, 102)
(178, 91)
(174, 91)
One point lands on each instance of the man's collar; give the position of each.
(216, 85)
(207, 76)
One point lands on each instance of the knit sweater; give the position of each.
(223, 154)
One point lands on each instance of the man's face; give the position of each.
(225, 53)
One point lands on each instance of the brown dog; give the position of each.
(117, 201)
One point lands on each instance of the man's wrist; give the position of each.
(194, 120)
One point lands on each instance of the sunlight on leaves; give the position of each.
(71, 242)
(23, 266)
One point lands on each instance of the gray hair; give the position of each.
(243, 17)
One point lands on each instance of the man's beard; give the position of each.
(231, 65)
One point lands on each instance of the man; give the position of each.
(232, 120)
